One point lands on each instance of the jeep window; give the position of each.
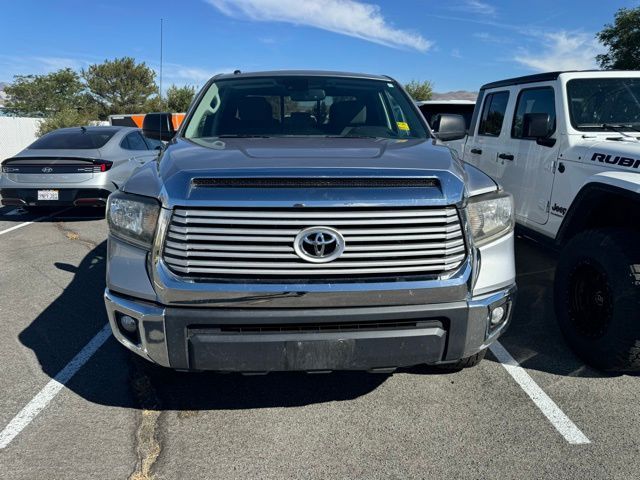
(283, 106)
(534, 100)
(595, 102)
(74, 139)
(495, 106)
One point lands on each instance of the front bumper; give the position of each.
(308, 339)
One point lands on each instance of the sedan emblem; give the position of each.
(319, 244)
(47, 170)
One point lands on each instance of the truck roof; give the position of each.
(548, 76)
(302, 73)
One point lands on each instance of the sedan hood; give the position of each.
(327, 158)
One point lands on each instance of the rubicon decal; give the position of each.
(617, 160)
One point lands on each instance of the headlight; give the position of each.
(133, 218)
(490, 216)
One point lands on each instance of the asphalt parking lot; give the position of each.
(118, 417)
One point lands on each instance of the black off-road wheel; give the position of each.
(597, 298)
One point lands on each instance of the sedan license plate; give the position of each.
(47, 194)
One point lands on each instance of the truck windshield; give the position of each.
(599, 104)
(301, 106)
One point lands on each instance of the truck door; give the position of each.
(524, 167)
(482, 147)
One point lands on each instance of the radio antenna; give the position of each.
(161, 102)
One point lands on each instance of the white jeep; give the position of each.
(567, 146)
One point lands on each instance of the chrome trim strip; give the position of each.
(436, 212)
(175, 290)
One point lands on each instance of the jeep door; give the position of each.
(486, 140)
(526, 165)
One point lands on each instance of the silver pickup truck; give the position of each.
(308, 221)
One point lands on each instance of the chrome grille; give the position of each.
(236, 242)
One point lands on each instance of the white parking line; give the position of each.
(558, 419)
(24, 224)
(51, 389)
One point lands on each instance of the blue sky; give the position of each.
(458, 44)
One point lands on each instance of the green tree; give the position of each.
(67, 117)
(46, 94)
(622, 40)
(420, 90)
(179, 98)
(153, 104)
(120, 86)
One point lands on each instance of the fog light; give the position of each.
(128, 323)
(497, 315)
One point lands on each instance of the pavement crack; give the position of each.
(75, 236)
(148, 446)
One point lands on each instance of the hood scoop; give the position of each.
(316, 182)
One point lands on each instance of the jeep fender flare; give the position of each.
(621, 184)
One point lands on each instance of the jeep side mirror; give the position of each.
(538, 126)
(158, 126)
(449, 127)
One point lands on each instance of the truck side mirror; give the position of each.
(158, 126)
(538, 126)
(449, 127)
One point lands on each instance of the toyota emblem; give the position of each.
(319, 244)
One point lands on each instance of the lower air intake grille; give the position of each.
(237, 243)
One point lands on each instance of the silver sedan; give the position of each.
(75, 166)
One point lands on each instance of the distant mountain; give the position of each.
(457, 95)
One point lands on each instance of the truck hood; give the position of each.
(612, 154)
(171, 178)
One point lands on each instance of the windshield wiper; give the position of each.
(243, 135)
(351, 136)
(619, 128)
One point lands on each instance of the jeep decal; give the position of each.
(611, 160)
(557, 209)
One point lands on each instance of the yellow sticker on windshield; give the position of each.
(403, 126)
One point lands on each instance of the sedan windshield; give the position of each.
(301, 106)
(604, 104)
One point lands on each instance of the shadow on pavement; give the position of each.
(50, 214)
(116, 377)
(113, 377)
(534, 338)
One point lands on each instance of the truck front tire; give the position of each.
(597, 298)
(467, 362)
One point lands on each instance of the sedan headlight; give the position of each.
(133, 218)
(490, 216)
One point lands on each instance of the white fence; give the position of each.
(16, 133)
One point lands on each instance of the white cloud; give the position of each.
(455, 53)
(180, 75)
(562, 51)
(57, 63)
(346, 17)
(477, 7)
(491, 38)
(11, 65)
